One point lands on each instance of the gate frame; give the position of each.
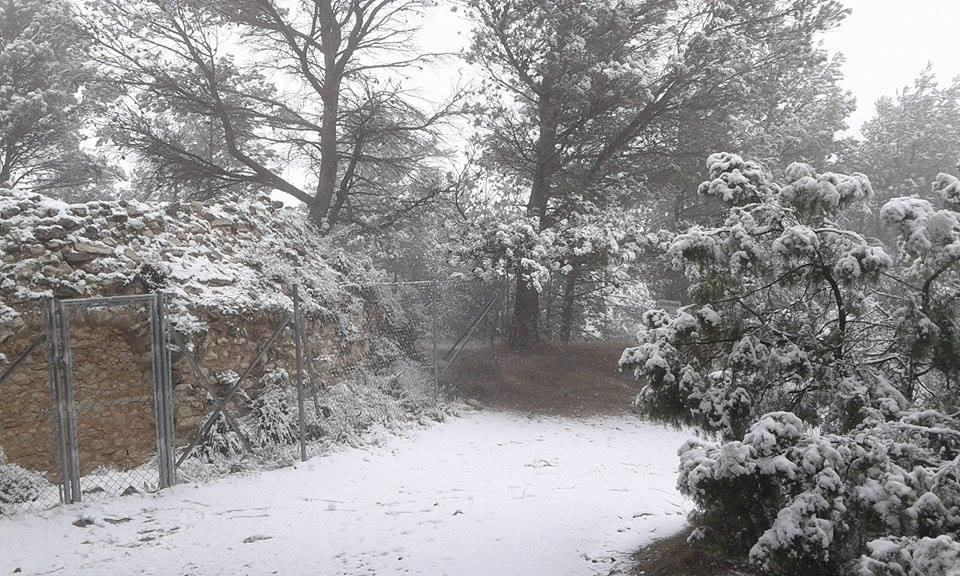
(61, 385)
(294, 320)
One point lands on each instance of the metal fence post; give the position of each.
(56, 390)
(298, 337)
(167, 385)
(163, 405)
(436, 351)
(70, 410)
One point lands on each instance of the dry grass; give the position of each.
(576, 379)
(673, 556)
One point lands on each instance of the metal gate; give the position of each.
(71, 402)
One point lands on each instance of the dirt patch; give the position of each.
(673, 556)
(577, 379)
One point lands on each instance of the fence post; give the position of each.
(436, 351)
(65, 365)
(163, 393)
(56, 390)
(298, 337)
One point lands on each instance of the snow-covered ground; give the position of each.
(488, 494)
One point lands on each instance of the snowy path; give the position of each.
(489, 494)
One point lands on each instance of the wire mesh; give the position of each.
(236, 399)
(230, 396)
(29, 474)
(470, 320)
(113, 403)
(377, 365)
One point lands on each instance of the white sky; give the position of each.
(886, 43)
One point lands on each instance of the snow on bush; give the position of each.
(732, 179)
(220, 442)
(806, 502)
(367, 399)
(911, 556)
(273, 415)
(351, 410)
(827, 366)
(18, 485)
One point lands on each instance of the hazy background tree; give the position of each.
(792, 110)
(46, 100)
(911, 138)
(580, 90)
(302, 97)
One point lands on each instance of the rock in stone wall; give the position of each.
(113, 384)
(228, 269)
(26, 415)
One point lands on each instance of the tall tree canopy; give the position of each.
(301, 97)
(582, 89)
(911, 138)
(45, 99)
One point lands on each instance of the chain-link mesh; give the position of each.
(235, 397)
(380, 368)
(237, 400)
(368, 365)
(113, 401)
(29, 473)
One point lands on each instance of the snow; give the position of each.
(488, 493)
(234, 258)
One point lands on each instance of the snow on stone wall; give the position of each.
(230, 258)
(228, 269)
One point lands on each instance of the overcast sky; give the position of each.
(886, 43)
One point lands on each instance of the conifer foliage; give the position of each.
(820, 360)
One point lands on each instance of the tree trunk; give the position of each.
(569, 297)
(330, 95)
(526, 310)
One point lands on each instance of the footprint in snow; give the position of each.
(256, 538)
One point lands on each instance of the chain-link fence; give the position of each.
(80, 405)
(114, 419)
(379, 364)
(29, 473)
(109, 400)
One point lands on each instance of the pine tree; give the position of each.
(45, 100)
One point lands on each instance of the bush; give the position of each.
(19, 485)
(827, 365)
(220, 441)
(812, 503)
(273, 417)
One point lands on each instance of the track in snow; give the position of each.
(489, 494)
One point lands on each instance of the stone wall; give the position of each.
(228, 268)
(112, 394)
(26, 415)
(114, 384)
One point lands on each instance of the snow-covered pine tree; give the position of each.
(47, 97)
(785, 306)
(590, 250)
(826, 365)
